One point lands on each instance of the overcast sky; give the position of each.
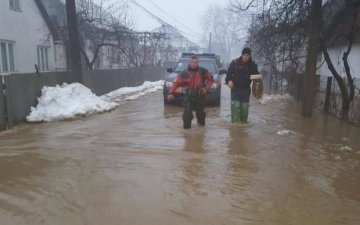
(188, 12)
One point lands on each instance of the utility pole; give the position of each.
(181, 42)
(210, 40)
(308, 90)
(74, 45)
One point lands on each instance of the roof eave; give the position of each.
(48, 20)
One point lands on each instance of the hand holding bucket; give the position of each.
(257, 86)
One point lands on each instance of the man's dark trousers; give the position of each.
(195, 103)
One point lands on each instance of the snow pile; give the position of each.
(71, 100)
(285, 132)
(272, 98)
(132, 93)
(67, 101)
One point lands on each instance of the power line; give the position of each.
(159, 19)
(169, 15)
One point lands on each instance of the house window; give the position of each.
(43, 58)
(15, 4)
(7, 63)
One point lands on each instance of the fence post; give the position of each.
(8, 102)
(270, 83)
(2, 105)
(328, 95)
(299, 81)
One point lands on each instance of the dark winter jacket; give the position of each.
(239, 73)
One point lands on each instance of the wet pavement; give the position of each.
(135, 165)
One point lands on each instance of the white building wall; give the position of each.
(336, 55)
(27, 29)
(59, 57)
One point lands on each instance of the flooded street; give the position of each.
(137, 166)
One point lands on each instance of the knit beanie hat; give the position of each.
(246, 50)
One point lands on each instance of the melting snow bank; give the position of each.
(72, 100)
(272, 98)
(132, 93)
(67, 101)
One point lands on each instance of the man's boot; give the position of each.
(235, 112)
(244, 112)
(201, 115)
(187, 118)
(187, 115)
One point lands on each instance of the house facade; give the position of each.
(339, 41)
(28, 38)
(336, 53)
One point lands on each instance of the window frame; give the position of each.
(43, 58)
(14, 7)
(10, 57)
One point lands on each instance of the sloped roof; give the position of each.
(56, 9)
(47, 19)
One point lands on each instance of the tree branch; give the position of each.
(332, 69)
(241, 9)
(346, 56)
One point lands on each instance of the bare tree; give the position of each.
(311, 59)
(108, 40)
(107, 34)
(144, 48)
(74, 41)
(239, 6)
(101, 24)
(227, 31)
(341, 18)
(279, 44)
(347, 20)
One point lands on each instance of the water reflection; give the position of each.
(194, 140)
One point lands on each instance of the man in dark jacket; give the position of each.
(194, 83)
(238, 80)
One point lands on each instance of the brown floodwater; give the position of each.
(137, 166)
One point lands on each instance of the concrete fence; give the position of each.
(105, 81)
(22, 90)
(2, 108)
